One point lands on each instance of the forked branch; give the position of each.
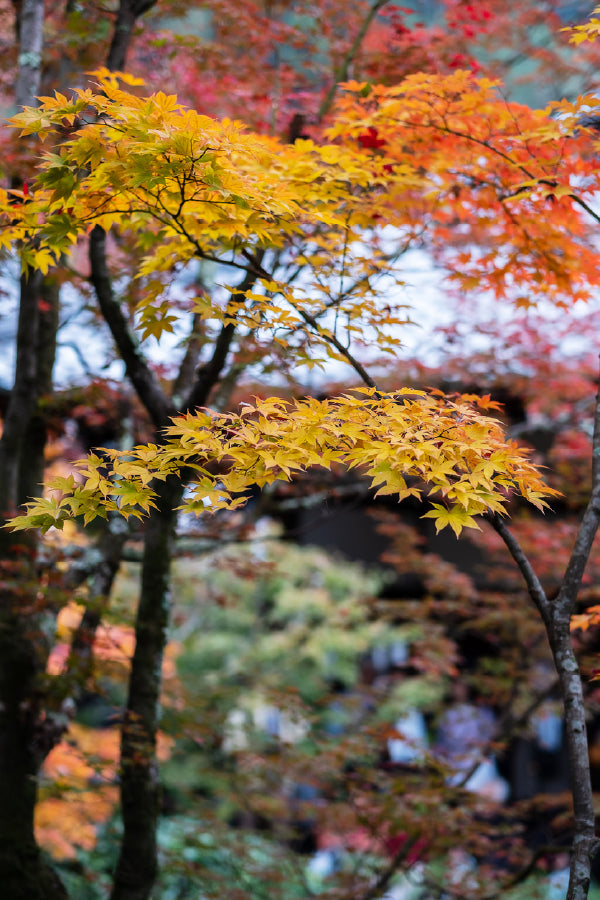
(556, 615)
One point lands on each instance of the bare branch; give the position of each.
(534, 585)
(208, 374)
(148, 389)
(341, 73)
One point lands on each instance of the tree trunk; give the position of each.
(31, 457)
(556, 615)
(24, 875)
(140, 799)
(25, 734)
(30, 24)
(585, 842)
(23, 397)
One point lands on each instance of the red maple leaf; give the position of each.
(370, 140)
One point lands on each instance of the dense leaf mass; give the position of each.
(401, 441)
(501, 193)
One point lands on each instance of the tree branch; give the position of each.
(158, 405)
(328, 337)
(534, 585)
(189, 361)
(341, 73)
(208, 374)
(127, 15)
(565, 601)
(556, 615)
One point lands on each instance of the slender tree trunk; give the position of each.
(138, 865)
(23, 397)
(140, 796)
(31, 457)
(30, 35)
(556, 615)
(585, 842)
(25, 732)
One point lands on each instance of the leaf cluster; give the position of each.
(401, 441)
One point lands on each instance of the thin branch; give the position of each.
(146, 385)
(585, 206)
(507, 158)
(208, 374)
(343, 351)
(534, 585)
(187, 366)
(565, 601)
(326, 336)
(341, 73)
(76, 349)
(383, 879)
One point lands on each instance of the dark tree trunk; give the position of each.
(26, 734)
(140, 798)
(138, 864)
(128, 13)
(23, 397)
(28, 730)
(31, 460)
(137, 867)
(556, 615)
(24, 874)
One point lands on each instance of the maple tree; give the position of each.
(34, 717)
(301, 51)
(301, 224)
(192, 205)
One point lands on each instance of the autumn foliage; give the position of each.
(501, 193)
(296, 244)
